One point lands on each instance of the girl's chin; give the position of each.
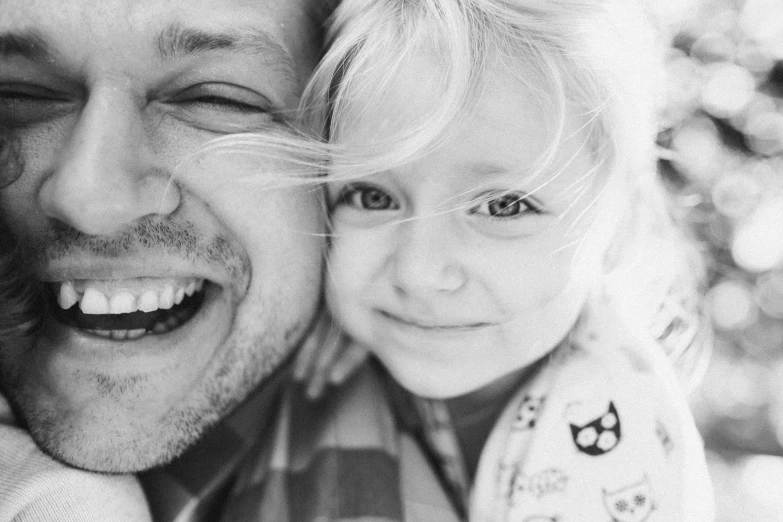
(435, 381)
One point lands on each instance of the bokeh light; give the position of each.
(758, 473)
(722, 141)
(736, 195)
(758, 241)
(727, 89)
(769, 294)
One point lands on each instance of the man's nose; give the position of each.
(427, 259)
(105, 179)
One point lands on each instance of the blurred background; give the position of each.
(722, 150)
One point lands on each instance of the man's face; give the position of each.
(174, 286)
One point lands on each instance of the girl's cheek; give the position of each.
(369, 249)
(351, 260)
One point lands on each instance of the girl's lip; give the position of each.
(435, 325)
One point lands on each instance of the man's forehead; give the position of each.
(174, 41)
(35, 28)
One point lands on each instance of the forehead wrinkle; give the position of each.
(177, 41)
(482, 168)
(28, 45)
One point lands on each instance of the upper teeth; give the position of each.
(123, 297)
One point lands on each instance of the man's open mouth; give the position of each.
(128, 309)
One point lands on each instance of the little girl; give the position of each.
(500, 244)
(33, 486)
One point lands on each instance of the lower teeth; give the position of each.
(172, 322)
(119, 335)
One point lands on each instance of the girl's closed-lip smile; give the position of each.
(434, 326)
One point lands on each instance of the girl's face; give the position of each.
(456, 269)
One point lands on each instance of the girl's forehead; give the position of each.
(507, 128)
(405, 99)
(388, 104)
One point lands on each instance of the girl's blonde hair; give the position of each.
(597, 59)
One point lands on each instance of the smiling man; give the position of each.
(173, 293)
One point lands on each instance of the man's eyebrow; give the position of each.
(177, 42)
(26, 45)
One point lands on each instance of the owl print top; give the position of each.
(598, 432)
(601, 434)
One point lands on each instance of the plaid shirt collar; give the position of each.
(193, 487)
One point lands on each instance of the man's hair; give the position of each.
(21, 302)
(10, 158)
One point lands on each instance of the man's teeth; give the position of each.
(103, 301)
(68, 296)
(120, 335)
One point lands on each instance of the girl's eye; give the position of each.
(366, 197)
(507, 206)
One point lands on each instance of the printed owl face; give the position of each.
(599, 436)
(528, 412)
(632, 503)
(546, 482)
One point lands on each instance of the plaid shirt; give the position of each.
(280, 457)
(194, 486)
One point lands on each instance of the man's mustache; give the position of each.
(177, 237)
(155, 236)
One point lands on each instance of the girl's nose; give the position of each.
(427, 258)
(104, 180)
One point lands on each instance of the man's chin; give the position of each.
(106, 433)
(119, 406)
(91, 446)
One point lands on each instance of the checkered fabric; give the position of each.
(440, 437)
(340, 459)
(193, 488)
(283, 458)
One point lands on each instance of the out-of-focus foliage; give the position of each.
(722, 150)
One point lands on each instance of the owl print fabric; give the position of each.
(601, 434)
